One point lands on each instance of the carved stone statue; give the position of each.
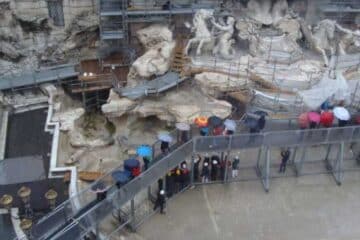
(224, 47)
(202, 33)
(323, 38)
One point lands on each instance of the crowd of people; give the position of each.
(216, 167)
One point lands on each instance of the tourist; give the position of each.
(197, 161)
(205, 172)
(235, 167)
(214, 167)
(160, 201)
(285, 154)
(146, 162)
(261, 123)
(169, 183)
(164, 147)
(160, 184)
(185, 174)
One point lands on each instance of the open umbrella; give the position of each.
(251, 122)
(313, 117)
(144, 151)
(214, 121)
(201, 121)
(165, 137)
(121, 176)
(261, 113)
(326, 118)
(182, 126)
(341, 113)
(230, 124)
(303, 120)
(131, 163)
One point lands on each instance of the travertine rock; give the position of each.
(267, 11)
(216, 83)
(67, 118)
(176, 106)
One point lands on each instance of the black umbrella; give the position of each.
(251, 122)
(214, 121)
(261, 113)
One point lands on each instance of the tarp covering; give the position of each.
(21, 170)
(335, 88)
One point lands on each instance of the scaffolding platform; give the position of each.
(38, 77)
(158, 85)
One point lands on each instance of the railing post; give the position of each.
(298, 167)
(267, 170)
(132, 214)
(227, 160)
(192, 170)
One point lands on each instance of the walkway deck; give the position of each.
(38, 77)
(158, 85)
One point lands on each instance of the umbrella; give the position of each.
(303, 120)
(131, 163)
(165, 137)
(182, 126)
(326, 118)
(214, 121)
(230, 124)
(313, 117)
(144, 151)
(261, 113)
(341, 113)
(99, 187)
(121, 176)
(201, 121)
(251, 122)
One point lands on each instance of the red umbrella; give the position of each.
(326, 118)
(314, 117)
(303, 120)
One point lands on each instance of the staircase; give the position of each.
(179, 59)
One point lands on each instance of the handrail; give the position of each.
(117, 198)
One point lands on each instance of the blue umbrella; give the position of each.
(144, 151)
(131, 163)
(121, 176)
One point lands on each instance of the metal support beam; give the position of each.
(337, 172)
(192, 170)
(132, 214)
(327, 162)
(298, 166)
(263, 172)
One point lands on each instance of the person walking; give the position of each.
(160, 201)
(261, 123)
(146, 161)
(285, 154)
(215, 160)
(235, 167)
(169, 183)
(205, 172)
(185, 173)
(197, 161)
(164, 147)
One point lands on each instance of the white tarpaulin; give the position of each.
(337, 89)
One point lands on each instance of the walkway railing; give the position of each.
(80, 224)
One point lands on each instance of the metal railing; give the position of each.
(81, 224)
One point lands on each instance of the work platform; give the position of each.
(153, 87)
(40, 76)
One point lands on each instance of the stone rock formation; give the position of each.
(175, 106)
(216, 83)
(267, 11)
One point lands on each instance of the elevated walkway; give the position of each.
(67, 223)
(153, 87)
(57, 73)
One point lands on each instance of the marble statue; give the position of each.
(224, 47)
(159, 46)
(199, 27)
(323, 38)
